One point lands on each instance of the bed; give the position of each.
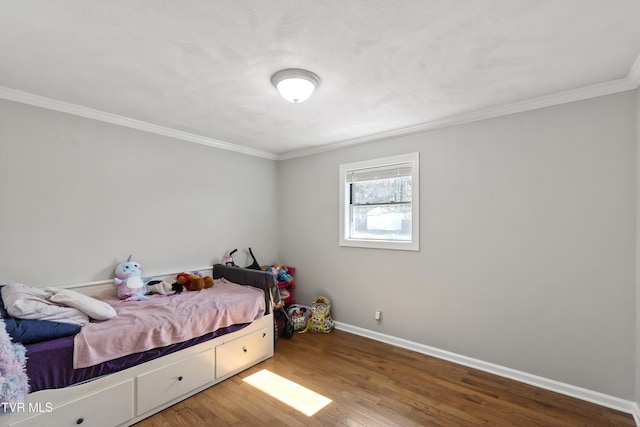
(111, 385)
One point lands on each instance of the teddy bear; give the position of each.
(194, 281)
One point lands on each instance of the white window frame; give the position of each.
(345, 240)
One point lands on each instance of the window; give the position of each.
(379, 203)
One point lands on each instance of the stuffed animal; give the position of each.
(162, 287)
(194, 281)
(208, 282)
(129, 281)
(182, 279)
(280, 270)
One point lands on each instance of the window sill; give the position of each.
(380, 244)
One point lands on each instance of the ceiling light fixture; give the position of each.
(295, 85)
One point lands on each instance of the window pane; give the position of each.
(379, 203)
(382, 191)
(381, 222)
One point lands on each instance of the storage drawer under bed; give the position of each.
(242, 352)
(174, 380)
(87, 411)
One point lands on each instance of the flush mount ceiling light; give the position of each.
(295, 85)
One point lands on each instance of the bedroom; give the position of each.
(528, 220)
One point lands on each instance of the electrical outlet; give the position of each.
(378, 315)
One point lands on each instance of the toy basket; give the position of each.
(320, 320)
(300, 315)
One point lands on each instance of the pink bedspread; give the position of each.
(164, 320)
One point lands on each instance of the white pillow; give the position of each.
(27, 302)
(92, 307)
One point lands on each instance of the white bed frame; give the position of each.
(128, 396)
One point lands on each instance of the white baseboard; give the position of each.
(534, 380)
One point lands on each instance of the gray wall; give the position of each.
(527, 243)
(77, 196)
(528, 226)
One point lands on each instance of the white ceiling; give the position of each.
(200, 69)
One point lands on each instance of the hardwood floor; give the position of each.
(376, 384)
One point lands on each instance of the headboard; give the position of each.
(257, 278)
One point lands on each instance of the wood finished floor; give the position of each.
(375, 384)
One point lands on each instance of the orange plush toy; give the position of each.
(208, 282)
(183, 280)
(194, 282)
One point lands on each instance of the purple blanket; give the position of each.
(165, 320)
(50, 363)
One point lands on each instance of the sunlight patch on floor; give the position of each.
(293, 394)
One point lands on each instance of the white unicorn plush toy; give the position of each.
(128, 278)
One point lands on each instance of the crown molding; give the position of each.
(90, 113)
(630, 82)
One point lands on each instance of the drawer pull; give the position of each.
(79, 420)
(264, 334)
(180, 378)
(244, 349)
